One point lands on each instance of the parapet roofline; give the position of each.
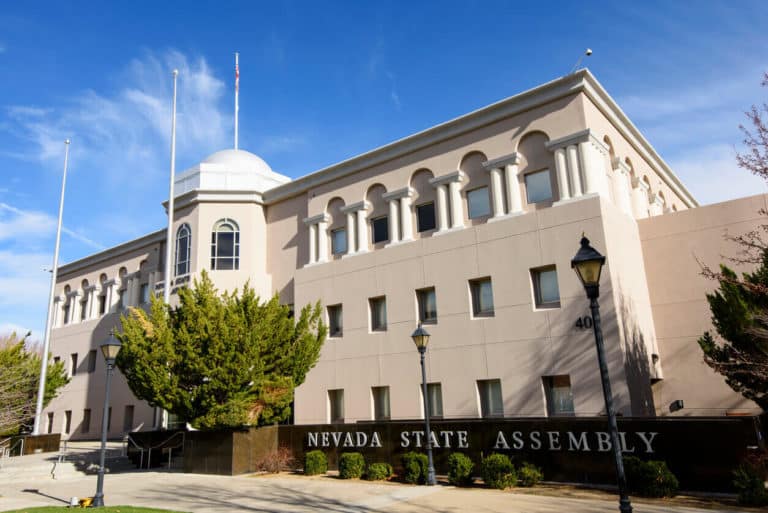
(581, 81)
(111, 253)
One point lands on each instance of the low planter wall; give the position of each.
(39, 443)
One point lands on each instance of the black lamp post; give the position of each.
(421, 339)
(110, 348)
(588, 264)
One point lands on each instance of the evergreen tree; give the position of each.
(220, 361)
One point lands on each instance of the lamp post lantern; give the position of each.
(421, 339)
(588, 264)
(109, 349)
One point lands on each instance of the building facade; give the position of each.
(467, 227)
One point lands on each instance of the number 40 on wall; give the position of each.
(584, 323)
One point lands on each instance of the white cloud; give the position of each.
(25, 287)
(18, 224)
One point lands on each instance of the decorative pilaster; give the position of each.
(442, 207)
(357, 226)
(400, 215)
(58, 307)
(454, 196)
(510, 164)
(621, 178)
(74, 306)
(322, 240)
(574, 171)
(562, 174)
(394, 222)
(579, 165)
(318, 238)
(351, 232)
(639, 198)
(312, 243)
(496, 193)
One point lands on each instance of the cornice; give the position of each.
(319, 218)
(511, 159)
(354, 207)
(456, 176)
(111, 253)
(405, 192)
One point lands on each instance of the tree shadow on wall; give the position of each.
(637, 362)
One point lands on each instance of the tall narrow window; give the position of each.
(435, 394)
(545, 288)
(557, 390)
(339, 241)
(482, 297)
(378, 306)
(92, 360)
(427, 305)
(491, 404)
(102, 304)
(380, 396)
(380, 230)
(109, 419)
(336, 406)
(50, 422)
(335, 321)
(183, 244)
(84, 308)
(86, 425)
(425, 217)
(73, 364)
(479, 203)
(144, 293)
(128, 418)
(225, 245)
(67, 421)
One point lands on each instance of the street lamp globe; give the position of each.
(110, 348)
(588, 264)
(420, 338)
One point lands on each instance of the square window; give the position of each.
(380, 397)
(557, 391)
(380, 229)
(435, 395)
(479, 203)
(339, 241)
(336, 406)
(86, 425)
(538, 186)
(92, 360)
(491, 404)
(427, 305)
(334, 321)
(482, 297)
(425, 217)
(378, 306)
(545, 289)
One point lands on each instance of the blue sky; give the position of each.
(321, 83)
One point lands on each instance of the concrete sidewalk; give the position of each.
(287, 493)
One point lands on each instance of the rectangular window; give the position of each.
(102, 304)
(56, 359)
(128, 418)
(144, 293)
(336, 406)
(435, 394)
(425, 217)
(479, 203)
(380, 403)
(50, 422)
(427, 305)
(85, 427)
(557, 391)
(545, 289)
(378, 306)
(109, 419)
(225, 249)
(92, 360)
(123, 298)
(67, 421)
(491, 404)
(66, 313)
(380, 229)
(339, 241)
(73, 364)
(538, 186)
(482, 297)
(83, 309)
(335, 321)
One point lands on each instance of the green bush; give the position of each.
(498, 472)
(650, 478)
(748, 481)
(460, 469)
(351, 465)
(414, 467)
(315, 462)
(529, 475)
(378, 471)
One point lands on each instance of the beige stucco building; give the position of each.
(468, 227)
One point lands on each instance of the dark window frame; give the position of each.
(423, 223)
(475, 287)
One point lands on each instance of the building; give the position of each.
(467, 227)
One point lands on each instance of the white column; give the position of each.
(74, 307)
(621, 189)
(91, 294)
(114, 297)
(496, 192)
(442, 208)
(362, 230)
(406, 219)
(639, 199)
(56, 312)
(394, 222)
(513, 188)
(573, 169)
(351, 234)
(457, 212)
(594, 169)
(312, 243)
(562, 174)
(322, 241)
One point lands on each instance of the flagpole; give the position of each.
(49, 316)
(237, 94)
(169, 233)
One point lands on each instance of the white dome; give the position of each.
(229, 170)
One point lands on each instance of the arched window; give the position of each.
(183, 243)
(225, 245)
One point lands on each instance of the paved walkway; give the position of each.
(286, 493)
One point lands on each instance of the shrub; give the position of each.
(529, 475)
(414, 467)
(749, 482)
(351, 465)
(378, 471)
(498, 472)
(460, 469)
(315, 462)
(276, 461)
(650, 478)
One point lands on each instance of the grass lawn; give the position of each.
(109, 509)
